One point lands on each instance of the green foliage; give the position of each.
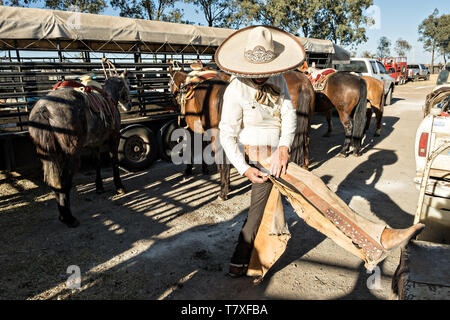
(163, 10)
(367, 54)
(434, 33)
(90, 6)
(402, 47)
(216, 12)
(384, 47)
(340, 21)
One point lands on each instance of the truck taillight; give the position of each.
(423, 143)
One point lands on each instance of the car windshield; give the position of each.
(413, 66)
(381, 67)
(354, 66)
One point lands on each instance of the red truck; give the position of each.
(397, 68)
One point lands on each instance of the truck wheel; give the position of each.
(427, 77)
(165, 143)
(137, 148)
(388, 99)
(416, 78)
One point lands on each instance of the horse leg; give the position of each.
(379, 115)
(348, 128)
(189, 166)
(328, 114)
(205, 169)
(113, 153)
(98, 176)
(224, 172)
(65, 214)
(368, 117)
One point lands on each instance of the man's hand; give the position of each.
(279, 161)
(255, 175)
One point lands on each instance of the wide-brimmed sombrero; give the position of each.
(259, 51)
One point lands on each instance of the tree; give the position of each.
(402, 47)
(163, 10)
(384, 47)
(367, 54)
(444, 36)
(90, 6)
(216, 12)
(429, 34)
(340, 21)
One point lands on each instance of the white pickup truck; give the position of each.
(372, 68)
(433, 133)
(423, 272)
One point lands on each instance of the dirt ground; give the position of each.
(170, 238)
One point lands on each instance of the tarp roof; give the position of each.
(28, 28)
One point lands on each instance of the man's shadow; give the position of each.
(362, 182)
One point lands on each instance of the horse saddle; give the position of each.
(319, 78)
(98, 99)
(197, 77)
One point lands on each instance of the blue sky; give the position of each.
(397, 19)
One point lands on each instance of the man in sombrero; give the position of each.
(257, 128)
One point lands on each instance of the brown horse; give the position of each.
(303, 98)
(205, 108)
(202, 113)
(375, 97)
(375, 103)
(348, 94)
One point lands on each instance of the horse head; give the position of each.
(177, 79)
(118, 86)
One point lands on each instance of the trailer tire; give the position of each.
(165, 144)
(137, 148)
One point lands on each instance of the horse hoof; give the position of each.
(222, 198)
(100, 190)
(70, 222)
(188, 173)
(357, 154)
(341, 155)
(121, 191)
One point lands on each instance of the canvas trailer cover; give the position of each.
(28, 28)
(150, 44)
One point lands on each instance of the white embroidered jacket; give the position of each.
(246, 122)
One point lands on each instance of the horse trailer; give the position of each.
(40, 47)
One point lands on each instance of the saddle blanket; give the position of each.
(99, 100)
(195, 78)
(318, 78)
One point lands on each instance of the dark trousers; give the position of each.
(259, 196)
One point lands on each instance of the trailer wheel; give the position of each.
(137, 148)
(165, 143)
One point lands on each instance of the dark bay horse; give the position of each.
(202, 113)
(63, 123)
(375, 102)
(348, 94)
(205, 108)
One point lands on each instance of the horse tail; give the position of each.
(43, 136)
(360, 117)
(53, 147)
(300, 144)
